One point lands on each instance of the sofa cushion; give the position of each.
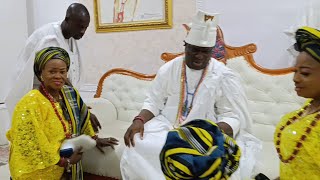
(126, 93)
(104, 110)
(107, 164)
(269, 97)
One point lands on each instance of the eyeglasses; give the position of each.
(196, 50)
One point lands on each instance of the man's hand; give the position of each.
(137, 126)
(226, 128)
(95, 123)
(104, 142)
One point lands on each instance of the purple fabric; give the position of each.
(219, 50)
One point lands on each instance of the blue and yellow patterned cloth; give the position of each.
(46, 54)
(308, 40)
(199, 150)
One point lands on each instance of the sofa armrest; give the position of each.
(103, 109)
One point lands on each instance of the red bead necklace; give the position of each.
(181, 109)
(51, 99)
(302, 138)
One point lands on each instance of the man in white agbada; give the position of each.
(58, 34)
(193, 86)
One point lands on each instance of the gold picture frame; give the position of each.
(138, 15)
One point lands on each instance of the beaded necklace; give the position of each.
(51, 99)
(183, 110)
(302, 138)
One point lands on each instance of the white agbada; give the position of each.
(46, 36)
(220, 98)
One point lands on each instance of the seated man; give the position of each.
(195, 86)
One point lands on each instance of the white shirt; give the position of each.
(220, 96)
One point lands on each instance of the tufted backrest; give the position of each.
(126, 90)
(270, 94)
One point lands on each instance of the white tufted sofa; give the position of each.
(270, 95)
(120, 95)
(119, 99)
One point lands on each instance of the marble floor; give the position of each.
(4, 168)
(4, 172)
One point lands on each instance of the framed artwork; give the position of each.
(132, 15)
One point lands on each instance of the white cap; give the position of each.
(203, 30)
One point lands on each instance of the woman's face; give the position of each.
(54, 74)
(307, 76)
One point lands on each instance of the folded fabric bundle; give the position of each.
(199, 150)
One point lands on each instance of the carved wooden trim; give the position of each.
(263, 70)
(245, 51)
(231, 52)
(169, 56)
(121, 71)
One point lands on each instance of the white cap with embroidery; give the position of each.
(203, 30)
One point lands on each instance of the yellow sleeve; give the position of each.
(30, 149)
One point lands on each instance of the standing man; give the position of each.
(57, 34)
(194, 86)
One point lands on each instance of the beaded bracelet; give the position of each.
(140, 118)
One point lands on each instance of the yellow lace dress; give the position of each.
(35, 137)
(306, 164)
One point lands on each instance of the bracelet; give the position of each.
(95, 137)
(140, 118)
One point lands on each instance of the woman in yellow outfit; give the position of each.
(297, 136)
(44, 118)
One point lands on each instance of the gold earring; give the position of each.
(41, 78)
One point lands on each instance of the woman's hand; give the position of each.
(137, 126)
(76, 156)
(104, 142)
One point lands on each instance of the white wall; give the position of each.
(136, 50)
(13, 34)
(263, 23)
(244, 21)
(41, 12)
